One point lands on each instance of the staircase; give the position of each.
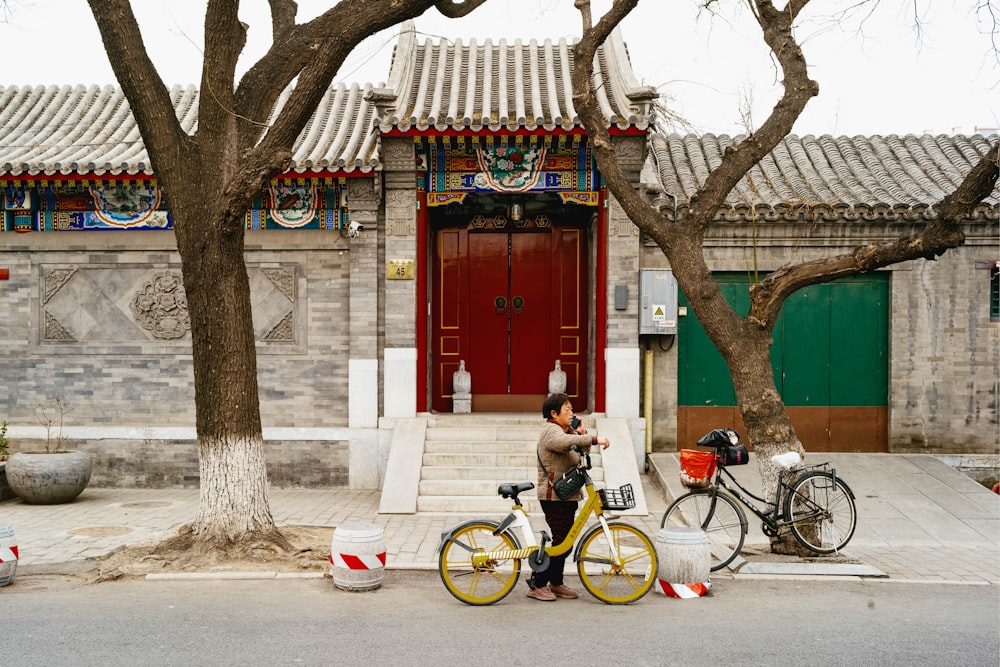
(467, 456)
(453, 464)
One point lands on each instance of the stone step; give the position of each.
(480, 433)
(483, 459)
(493, 507)
(508, 473)
(466, 447)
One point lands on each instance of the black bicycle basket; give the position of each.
(617, 499)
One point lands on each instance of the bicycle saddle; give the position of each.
(512, 489)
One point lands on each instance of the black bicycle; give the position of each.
(811, 501)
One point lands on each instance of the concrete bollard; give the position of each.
(685, 562)
(357, 556)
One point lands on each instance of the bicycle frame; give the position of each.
(772, 518)
(518, 520)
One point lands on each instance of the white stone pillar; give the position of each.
(400, 382)
(623, 383)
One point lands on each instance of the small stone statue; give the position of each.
(557, 379)
(461, 382)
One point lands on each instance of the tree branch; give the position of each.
(767, 298)
(225, 38)
(798, 89)
(148, 97)
(313, 53)
(584, 100)
(454, 9)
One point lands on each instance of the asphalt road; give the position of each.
(412, 620)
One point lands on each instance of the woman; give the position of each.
(554, 459)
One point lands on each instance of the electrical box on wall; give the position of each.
(657, 302)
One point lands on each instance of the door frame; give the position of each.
(597, 312)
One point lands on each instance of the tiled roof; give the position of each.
(835, 178)
(491, 86)
(91, 131)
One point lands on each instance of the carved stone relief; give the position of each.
(619, 223)
(160, 306)
(361, 191)
(400, 213)
(122, 304)
(399, 154)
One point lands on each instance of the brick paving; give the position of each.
(102, 520)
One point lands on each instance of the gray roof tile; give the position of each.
(825, 177)
(77, 130)
(500, 85)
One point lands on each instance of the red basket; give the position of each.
(697, 468)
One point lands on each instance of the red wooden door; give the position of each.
(508, 303)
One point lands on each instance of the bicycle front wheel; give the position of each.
(478, 585)
(821, 511)
(618, 571)
(723, 521)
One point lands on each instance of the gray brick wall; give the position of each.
(944, 352)
(112, 373)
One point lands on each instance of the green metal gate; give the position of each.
(830, 359)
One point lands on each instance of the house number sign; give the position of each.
(399, 269)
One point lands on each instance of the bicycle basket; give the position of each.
(697, 468)
(617, 499)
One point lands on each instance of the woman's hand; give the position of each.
(603, 442)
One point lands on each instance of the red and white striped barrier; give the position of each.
(8, 555)
(683, 591)
(358, 561)
(357, 556)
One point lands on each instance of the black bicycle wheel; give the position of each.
(723, 521)
(820, 508)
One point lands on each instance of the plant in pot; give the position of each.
(4, 442)
(53, 475)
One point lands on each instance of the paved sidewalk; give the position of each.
(919, 520)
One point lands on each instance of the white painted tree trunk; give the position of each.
(234, 501)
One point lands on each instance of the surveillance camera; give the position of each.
(354, 228)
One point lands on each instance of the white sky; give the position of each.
(876, 74)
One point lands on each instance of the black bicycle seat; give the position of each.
(513, 489)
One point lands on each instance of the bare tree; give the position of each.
(745, 342)
(210, 178)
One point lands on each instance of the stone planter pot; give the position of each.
(41, 478)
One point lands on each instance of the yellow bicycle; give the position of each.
(480, 560)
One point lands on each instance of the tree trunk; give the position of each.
(234, 508)
(745, 345)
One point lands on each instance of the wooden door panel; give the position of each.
(569, 325)
(530, 314)
(488, 307)
(447, 314)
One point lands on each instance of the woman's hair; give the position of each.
(553, 403)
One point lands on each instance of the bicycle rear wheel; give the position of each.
(622, 580)
(478, 585)
(723, 521)
(820, 507)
